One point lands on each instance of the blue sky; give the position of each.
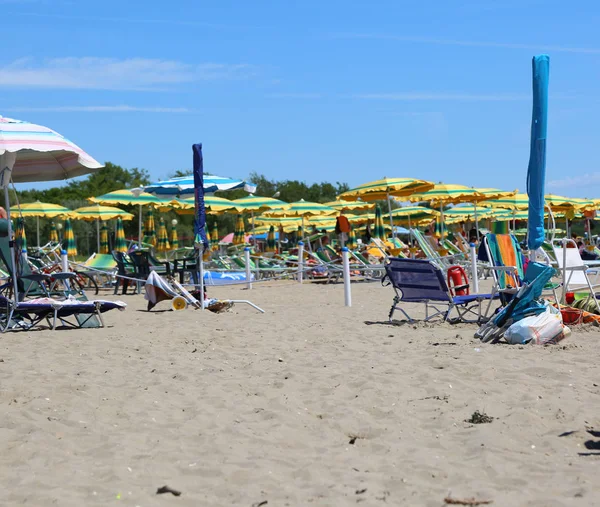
(324, 90)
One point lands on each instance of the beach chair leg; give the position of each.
(248, 303)
(393, 308)
(99, 314)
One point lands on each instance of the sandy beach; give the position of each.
(311, 403)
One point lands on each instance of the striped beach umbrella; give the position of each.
(174, 236)
(257, 203)
(378, 230)
(271, 240)
(515, 201)
(214, 237)
(385, 188)
(39, 210)
(149, 228)
(351, 241)
(214, 205)
(240, 232)
(342, 205)
(103, 239)
(53, 233)
(69, 238)
(98, 212)
(120, 243)
(162, 238)
(184, 186)
(301, 208)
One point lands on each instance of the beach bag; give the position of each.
(542, 329)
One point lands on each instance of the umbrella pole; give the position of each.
(476, 222)
(38, 231)
(442, 223)
(140, 228)
(12, 245)
(389, 200)
(98, 234)
(567, 226)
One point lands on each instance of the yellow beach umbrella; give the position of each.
(213, 205)
(254, 204)
(69, 237)
(162, 238)
(239, 236)
(385, 188)
(39, 210)
(174, 236)
(53, 233)
(103, 239)
(97, 212)
(214, 237)
(303, 209)
(342, 205)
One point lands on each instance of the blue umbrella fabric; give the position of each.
(536, 171)
(184, 186)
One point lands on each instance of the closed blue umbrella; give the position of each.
(536, 171)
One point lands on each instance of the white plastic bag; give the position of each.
(547, 327)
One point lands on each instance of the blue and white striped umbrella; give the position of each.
(184, 186)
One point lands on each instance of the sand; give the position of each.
(311, 403)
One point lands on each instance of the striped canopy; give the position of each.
(174, 236)
(53, 233)
(150, 229)
(184, 186)
(467, 213)
(239, 236)
(378, 230)
(442, 193)
(128, 197)
(256, 203)
(559, 203)
(120, 243)
(98, 212)
(341, 205)
(515, 201)
(40, 209)
(104, 238)
(70, 238)
(301, 208)
(162, 237)
(380, 189)
(42, 153)
(414, 214)
(213, 204)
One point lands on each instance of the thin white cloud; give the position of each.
(114, 74)
(468, 43)
(581, 181)
(296, 95)
(100, 109)
(422, 96)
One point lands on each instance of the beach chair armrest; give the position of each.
(505, 269)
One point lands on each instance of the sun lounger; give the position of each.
(422, 281)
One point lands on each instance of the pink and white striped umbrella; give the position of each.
(41, 153)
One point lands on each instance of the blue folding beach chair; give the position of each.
(422, 281)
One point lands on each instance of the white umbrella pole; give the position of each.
(140, 228)
(38, 231)
(389, 200)
(98, 234)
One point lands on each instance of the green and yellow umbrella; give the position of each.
(97, 212)
(303, 209)
(341, 205)
(103, 239)
(289, 224)
(385, 188)
(120, 243)
(39, 210)
(515, 201)
(53, 233)
(239, 235)
(213, 205)
(174, 236)
(214, 237)
(257, 203)
(162, 237)
(69, 237)
(271, 240)
(378, 229)
(409, 215)
(351, 242)
(150, 229)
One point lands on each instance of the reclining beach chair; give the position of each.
(422, 281)
(432, 253)
(526, 302)
(575, 272)
(506, 264)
